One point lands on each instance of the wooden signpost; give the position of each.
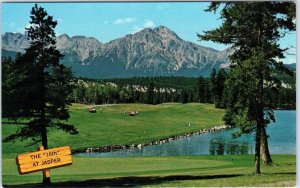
(44, 160)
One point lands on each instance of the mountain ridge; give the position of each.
(149, 52)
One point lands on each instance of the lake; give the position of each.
(282, 140)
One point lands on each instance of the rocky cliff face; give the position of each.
(85, 48)
(14, 42)
(150, 52)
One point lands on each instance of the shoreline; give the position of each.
(110, 148)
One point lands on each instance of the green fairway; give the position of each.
(153, 122)
(113, 127)
(182, 171)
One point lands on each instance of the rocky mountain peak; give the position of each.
(84, 47)
(86, 40)
(62, 40)
(160, 33)
(144, 33)
(79, 37)
(166, 32)
(14, 35)
(149, 52)
(63, 37)
(15, 42)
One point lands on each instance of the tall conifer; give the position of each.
(40, 92)
(253, 29)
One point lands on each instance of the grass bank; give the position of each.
(181, 171)
(112, 127)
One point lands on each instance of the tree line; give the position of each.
(156, 90)
(134, 90)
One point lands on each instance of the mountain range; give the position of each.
(149, 52)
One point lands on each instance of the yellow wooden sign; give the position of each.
(45, 159)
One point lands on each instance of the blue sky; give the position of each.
(108, 21)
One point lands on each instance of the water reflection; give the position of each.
(221, 143)
(220, 146)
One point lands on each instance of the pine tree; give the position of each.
(201, 89)
(253, 29)
(213, 84)
(219, 88)
(41, 90)
(150, 94)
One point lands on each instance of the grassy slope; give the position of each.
(182, 171)
(113, 127)
(153, 122)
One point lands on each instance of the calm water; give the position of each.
(282, 140)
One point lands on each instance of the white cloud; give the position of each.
(105, 22)
(147, 24)
(136, 29)
(125, 20)
(29, 25)
(22, 29)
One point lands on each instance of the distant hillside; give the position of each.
(291, 66)
(150, 52)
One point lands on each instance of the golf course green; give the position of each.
(111, 126)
